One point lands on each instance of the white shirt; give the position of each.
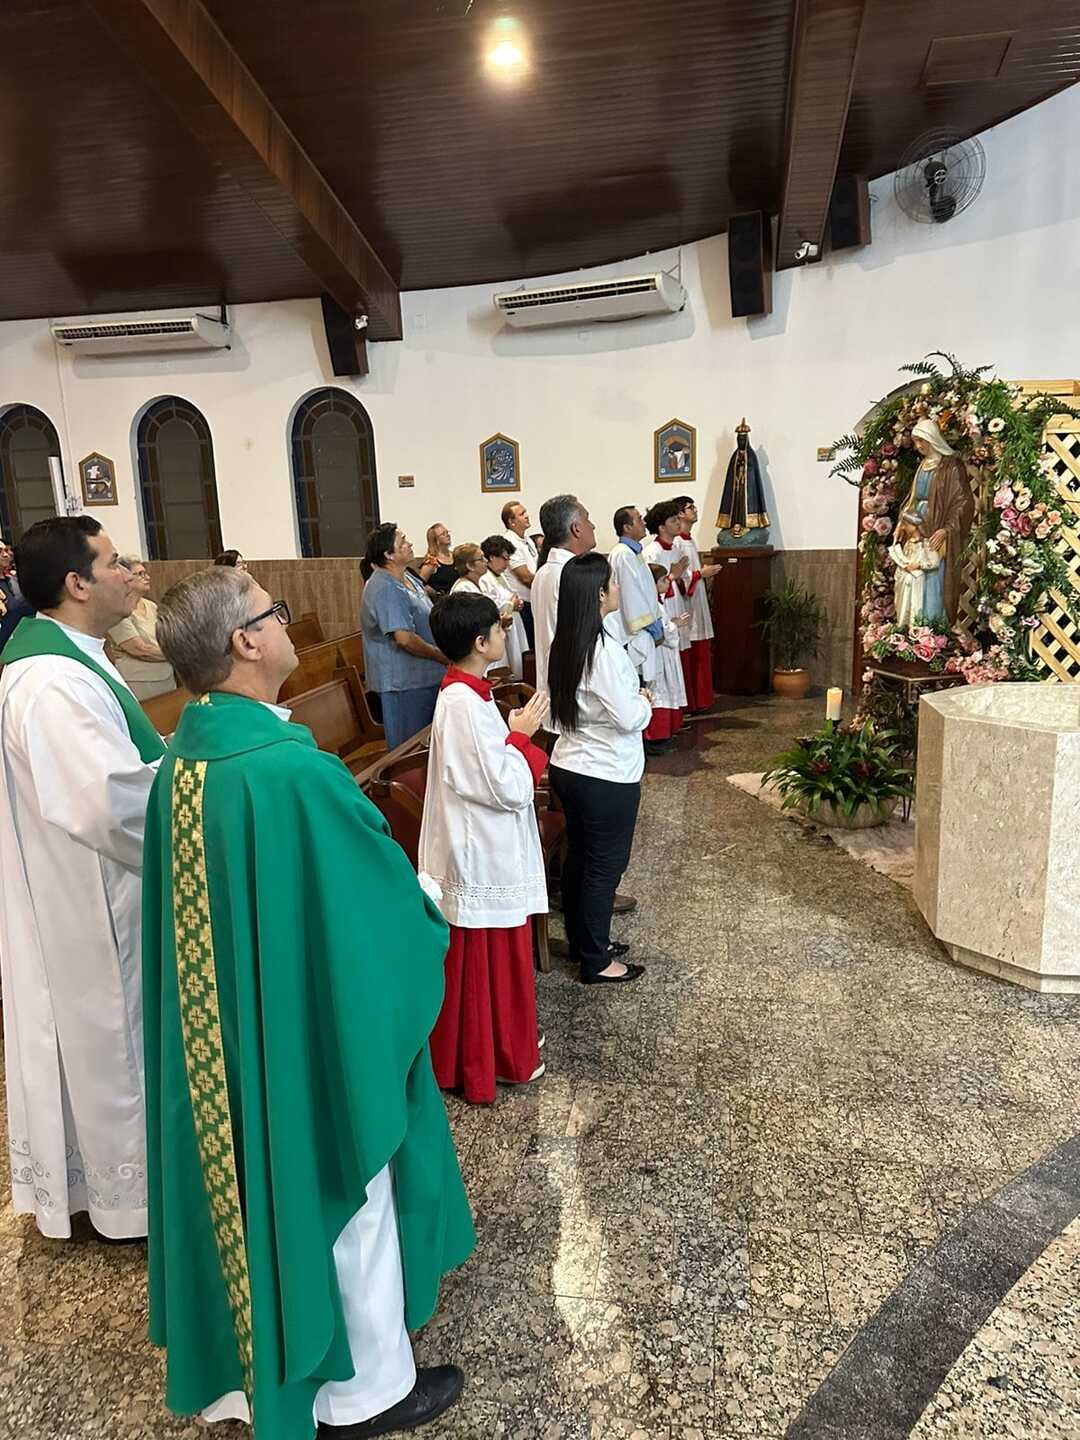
(479, 839)
(525, 553)
(611, 716)
(73, 795)
(545, 607)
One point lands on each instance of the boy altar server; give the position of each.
(480, 849)
(695, 645)
(305, 1198)
(663, 522)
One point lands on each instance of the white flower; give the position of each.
(1015, 597)
(991, 546)
(924, 389)
(1023, 499)
(996, 425)
(1004, 608)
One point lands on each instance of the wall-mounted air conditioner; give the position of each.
(623, 297)
(144, 333)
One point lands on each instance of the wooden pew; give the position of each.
(318, 664)
(164, 710)
(351, 650)
(306, 631)
(337, 716)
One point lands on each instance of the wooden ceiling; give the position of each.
(124, 184)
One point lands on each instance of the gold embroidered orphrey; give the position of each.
(204, 1054)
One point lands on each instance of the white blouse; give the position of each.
(612, 713)
(479, 839)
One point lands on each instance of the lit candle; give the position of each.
(833, 701)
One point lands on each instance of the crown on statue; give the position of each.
(743, 428)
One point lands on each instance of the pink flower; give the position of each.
(1042, 530)
(1054, 517)
(925, 651)
(1003, 497)
(883, 525)
(868, 522)
(888, 449)
(870, 468)
(1023, 525)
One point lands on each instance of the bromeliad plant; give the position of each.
(842, 766)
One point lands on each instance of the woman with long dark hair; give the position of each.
(599, 711)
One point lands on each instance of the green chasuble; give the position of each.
(41, 637)
(292, 973)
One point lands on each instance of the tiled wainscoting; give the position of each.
(330, 588)
(830, 574)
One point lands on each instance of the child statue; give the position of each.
(920, 590)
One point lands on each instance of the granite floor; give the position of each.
(730, 1168)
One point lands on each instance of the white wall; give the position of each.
(997, 285)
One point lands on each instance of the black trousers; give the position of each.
(600, 820)
(527, 621)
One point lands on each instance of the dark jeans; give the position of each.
(600, 820)
(405, 712)
(527, 621)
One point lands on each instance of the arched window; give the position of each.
(177, 482)
(333, 460)
(27, 440)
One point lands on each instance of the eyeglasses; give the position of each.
(279, 610)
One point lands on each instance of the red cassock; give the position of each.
(486, 1030)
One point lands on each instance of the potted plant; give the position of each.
(845, 775)
(792, 626)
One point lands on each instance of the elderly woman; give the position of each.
(134, 640)
(470, 566)
(404, 667)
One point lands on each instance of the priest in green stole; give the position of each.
(304, 1193)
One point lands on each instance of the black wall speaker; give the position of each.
(849, 213)
(347, 345)
(750, 263)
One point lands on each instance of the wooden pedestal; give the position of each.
(740, 653)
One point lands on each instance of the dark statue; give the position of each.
(743, 519)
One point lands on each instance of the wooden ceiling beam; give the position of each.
(824, 49)
(191, 64)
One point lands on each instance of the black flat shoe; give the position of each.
(633, 972)
(436, 1389)
(617, 949)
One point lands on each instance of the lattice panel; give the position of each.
(1055, 646)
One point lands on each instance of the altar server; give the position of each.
(639, 610)
(667, 687)
(664, 523)
(78, 758)
(480, 849)
(696, 653)
(305, 1198)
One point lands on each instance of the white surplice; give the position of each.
(697, 596)
(496, 588)
(638, 607)
(479, 839)
(668, 685)
(73, 796)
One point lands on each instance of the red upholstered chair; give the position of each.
(398, 791)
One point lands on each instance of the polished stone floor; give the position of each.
(750, 1194)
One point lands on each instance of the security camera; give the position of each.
(807, 251)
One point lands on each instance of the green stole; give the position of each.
(42, 637)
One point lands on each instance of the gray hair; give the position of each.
(196, 621)
(557, 515)
(129, 562)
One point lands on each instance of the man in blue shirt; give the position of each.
(404, 667)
